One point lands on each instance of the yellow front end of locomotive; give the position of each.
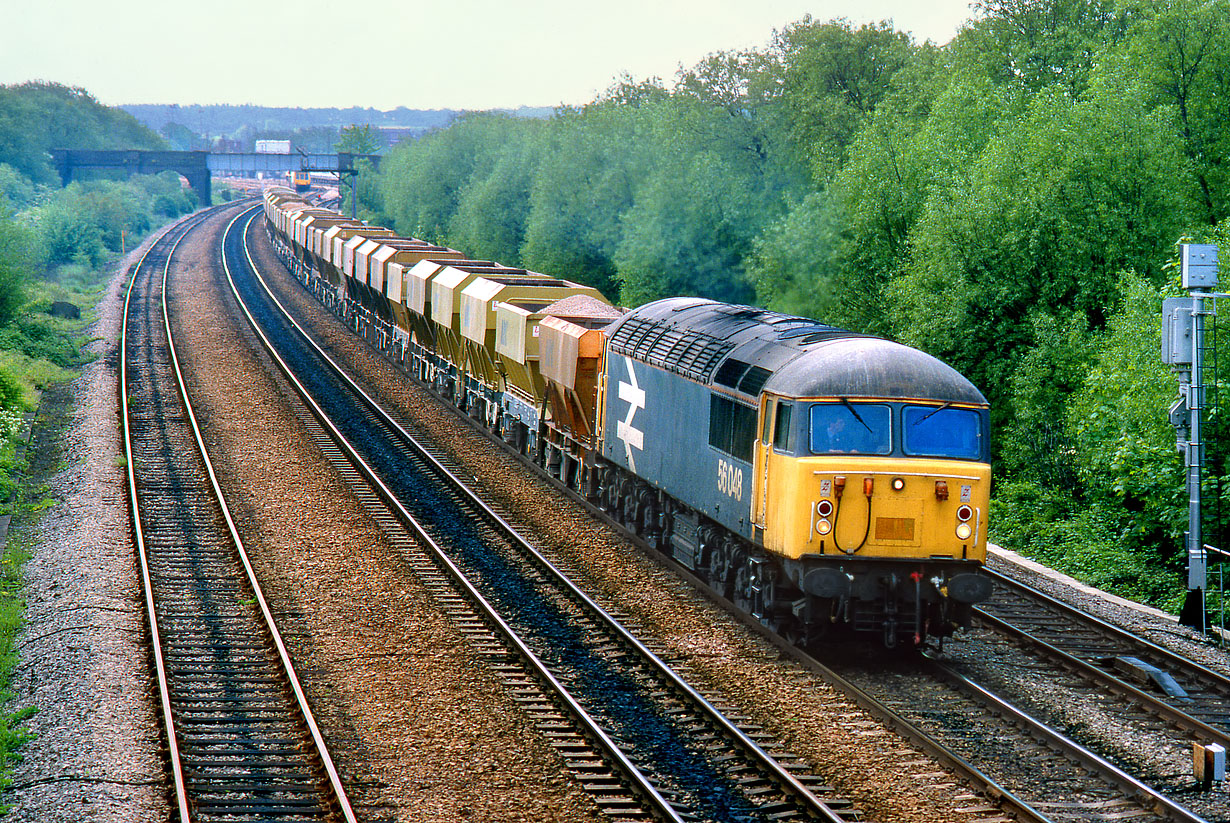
(809, 501)
(858, 506)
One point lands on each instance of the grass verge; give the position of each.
(40, 352)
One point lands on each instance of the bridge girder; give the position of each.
(197, 166)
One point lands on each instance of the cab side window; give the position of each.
(783, 436)
(768, 421)
(732, 427)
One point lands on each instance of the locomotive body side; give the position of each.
(656, 425)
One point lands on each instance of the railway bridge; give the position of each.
(198, 166)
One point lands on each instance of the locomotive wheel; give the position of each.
(719, 572)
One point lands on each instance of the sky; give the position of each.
(458, 54)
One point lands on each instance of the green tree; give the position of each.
(1034, 44)
(1181, 48)
(36, 117)
(493, 210)
(18, 257)
(794, 264)
(832, 78)
(685, 232)
(181, 137)
(1056, 204)
(358, 140)
(717, 173)
(1038, 443)
(1119, 523)
(16, 191)
(422, 182)
(68, 236)
(594, 159)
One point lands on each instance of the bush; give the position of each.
(67, 236)
(11, 394)
(1086, 542)
(41, 338)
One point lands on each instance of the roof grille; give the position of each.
(689, 353)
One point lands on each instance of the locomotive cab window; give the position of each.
(941, 431)
(783, 436)
(732, 427)
(851, 428)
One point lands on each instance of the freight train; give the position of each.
(821, 480)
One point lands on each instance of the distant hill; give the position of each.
(227, 120)
(223, 120)
(38, 116)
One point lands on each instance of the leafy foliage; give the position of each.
(833, 78)
(422, 187)
(38, 116)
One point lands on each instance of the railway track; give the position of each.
(1191, 697)
(1037, 771)
(614, 708)
(1161, 701)
(958, 722)
(241, 739)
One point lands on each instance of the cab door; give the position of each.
(760, 466)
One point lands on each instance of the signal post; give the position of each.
(1183, 350)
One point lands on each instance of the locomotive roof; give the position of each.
(748, 350)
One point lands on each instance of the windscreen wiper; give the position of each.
(929, 415)
(846, 402)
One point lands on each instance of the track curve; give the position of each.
(241, 739)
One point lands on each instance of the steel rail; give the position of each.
(181, 783)
(164, 693)
(942, 753)
(1148, 702)
(1178, 661)
(763, 759)
(878, 709)
(1159, 802)
(288, 666)
(640, 782)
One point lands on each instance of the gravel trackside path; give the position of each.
(83, 662)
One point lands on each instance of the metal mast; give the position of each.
(1183, 350)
